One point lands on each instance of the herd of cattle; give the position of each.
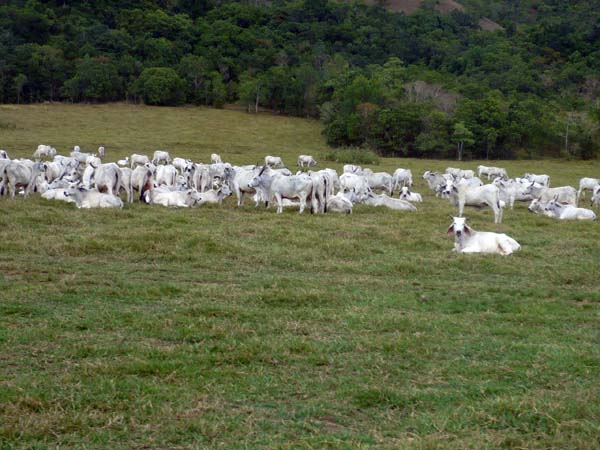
(84, 179)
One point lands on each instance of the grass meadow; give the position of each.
(231, 328)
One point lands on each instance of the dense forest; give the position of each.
(426, 84)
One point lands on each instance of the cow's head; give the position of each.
(458, 227)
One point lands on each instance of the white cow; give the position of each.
(490, 171)
(401, 178)
(142, 179)
(353, 168)
(101, 151)
(569, 212)
(93, 199)
(467, 240)
(566, 194)
(138, 160)
(544, 180)
(180, 164)
(4, 154)
(166, 174)
(172, 199)
(511, 191)
(280, 187)
(381, 180)
(587, 184)
(409, 196)
(339, 203)
(44, 151)
(161, 156)
(20, 174)
(126, 186)
(123, 162)
(538, 207)
(306, 161)
(435, 181)
(462, 195)
(241, 183)
(372, 199)
(213, 196)
(273, 161)
(596, 197)
(107, 177)
(460, 173)
(215, 159)
(354, 182)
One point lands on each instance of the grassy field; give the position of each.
(221, 327)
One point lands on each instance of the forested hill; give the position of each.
(418, 84)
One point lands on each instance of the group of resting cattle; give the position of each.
(82, 178)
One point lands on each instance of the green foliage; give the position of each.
(342, 61)
(160, 86)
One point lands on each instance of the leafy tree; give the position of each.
(20, 81)
(461, 136)
(160, 86)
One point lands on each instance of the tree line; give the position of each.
(424, 85)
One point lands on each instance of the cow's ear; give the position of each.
(450, 229)
(468, 230)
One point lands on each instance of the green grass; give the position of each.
(221, 327)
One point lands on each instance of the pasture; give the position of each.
(220, 327)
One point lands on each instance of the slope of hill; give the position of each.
(443, 6)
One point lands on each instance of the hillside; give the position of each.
(402, 84)
(442, 6)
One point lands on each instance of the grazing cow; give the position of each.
(107, 178)
(180, 164)
(280, 187)
(408, 196)
(20, 174)
(241, 183)
(273, 161)
(44, 151)
(352, 168)
(142, 179)
(544, 180)
(215, 159)
(81, 157)
(467, 240)
(462, 195)
(587, 184)
(495, 172)
(126, 186)
(397, 204)
(401, 178)
(460, 173)
(339, 203)
(160, 156)
(569, 212)
(138, 160)
(92, 199)
(435, 181)
(566, 194)
(306, 161)
(511, 191)
(166, 174)
(380, 180)
(352, 181)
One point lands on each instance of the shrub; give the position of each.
(161, 86)
(352, 156)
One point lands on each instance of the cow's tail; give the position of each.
(325, 195)
(117, 183)
(147, 186)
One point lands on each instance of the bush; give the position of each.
(161, 86)
(352, 156)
